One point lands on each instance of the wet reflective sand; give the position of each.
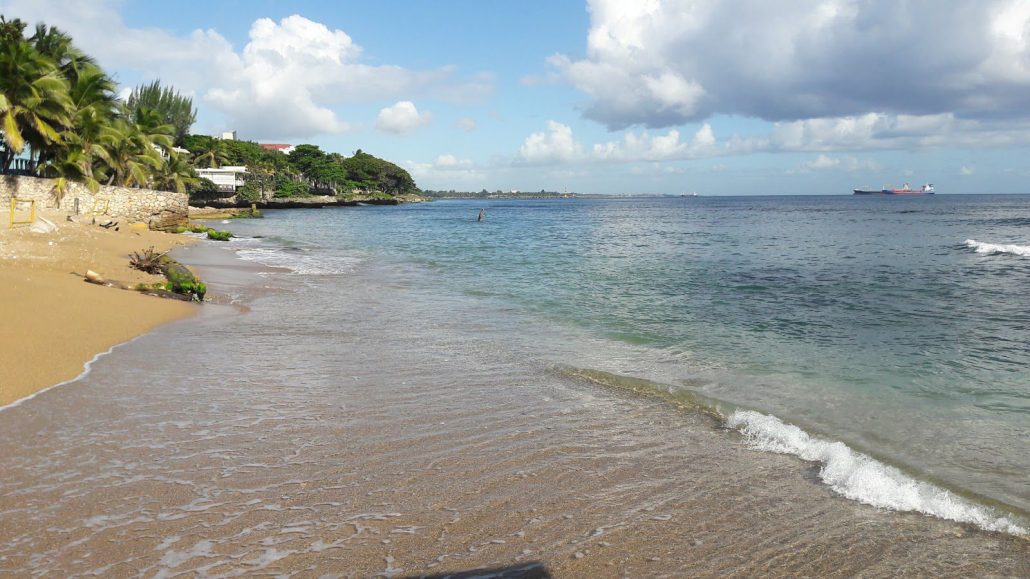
(367, 435)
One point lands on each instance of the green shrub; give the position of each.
(249, 192)
(203, 189)
(219, 235)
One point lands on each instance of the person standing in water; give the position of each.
(482, 212)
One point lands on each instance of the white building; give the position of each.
(229, 136)
(228, 179)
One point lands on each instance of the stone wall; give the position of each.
(158, 209)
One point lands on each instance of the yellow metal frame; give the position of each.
(97, 201)
(32, 211)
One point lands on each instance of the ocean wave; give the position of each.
(862, 478)
(299, 261)
(981, 247)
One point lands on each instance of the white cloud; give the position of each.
(660, 63)
(966, 170)
(645, 147)
(401, 118)
(287, 82)
(450, 161)
(851, 164)
(870, 132)
(557, 144)
(447, 171)
(466, 124)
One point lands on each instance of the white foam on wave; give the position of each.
(300, 261)
(981, 247)
(862, 478)
(85, 371)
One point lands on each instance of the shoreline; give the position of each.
(268, 465)
(56, 325)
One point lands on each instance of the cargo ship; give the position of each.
(905, 190)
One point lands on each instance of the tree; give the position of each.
(34, 101)
(172, 108)
(207, 151)
(175, 174)
(93, 107)
(152, 125)
(129, 154)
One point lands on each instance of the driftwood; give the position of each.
(148, 260)
(183, 285)
(95, 278)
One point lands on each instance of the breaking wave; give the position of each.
(849, 473)
(862, 478)
(981, 247)
(300, 261)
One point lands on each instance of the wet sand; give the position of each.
(394, 446)
(52, 322)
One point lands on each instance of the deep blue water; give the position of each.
(863, 319)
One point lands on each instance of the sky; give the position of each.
(719, 97)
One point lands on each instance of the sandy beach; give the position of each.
(52, 322)
(376, 458)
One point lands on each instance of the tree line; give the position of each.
(60, 118)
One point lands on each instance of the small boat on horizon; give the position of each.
(904, 190)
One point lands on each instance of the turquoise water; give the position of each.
(891, 324)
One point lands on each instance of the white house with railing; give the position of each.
(228, 179)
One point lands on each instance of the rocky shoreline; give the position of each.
(312, 202)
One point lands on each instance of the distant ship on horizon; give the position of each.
(904, 190)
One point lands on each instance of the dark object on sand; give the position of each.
(147, 261)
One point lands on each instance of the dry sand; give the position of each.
(52, 322)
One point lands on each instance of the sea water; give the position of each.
(633, 386)
(900, 326)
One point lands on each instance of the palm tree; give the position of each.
(211, 154)
(64, 169)
(129, 156)
(93, 105)
(153, 127)
(175, 174)
(34, 101)
(57, 46)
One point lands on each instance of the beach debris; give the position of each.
(94, 277)
(42, 225)
(147, 260)
(109, 224)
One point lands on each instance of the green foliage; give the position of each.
(287, 187)
(341, 174)
(202, 188)
(219, 235)
(57, 103)
(249, 192)
(171, 107)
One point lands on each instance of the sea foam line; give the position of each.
(981, 247)
(862, 478)
(300, 262)
(85, 371)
